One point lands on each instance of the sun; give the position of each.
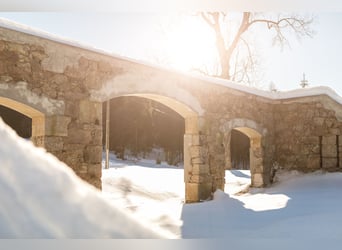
(190, 45)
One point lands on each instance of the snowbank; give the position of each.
(43, 198)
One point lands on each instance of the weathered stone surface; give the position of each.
(197, 192)
(90, 112)
(93, 154)
(329, 163)
(63, 88)
(329, 140)
(57, 125)
(329, 150)
(314, 162)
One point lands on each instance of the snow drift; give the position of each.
(43, 198)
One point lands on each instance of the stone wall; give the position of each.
(229, 109)
(62, 87)
(307, 134)
(73, 133)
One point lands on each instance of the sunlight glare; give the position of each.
(191, 45)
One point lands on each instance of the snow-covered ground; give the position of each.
(299, 207)
(42, 198)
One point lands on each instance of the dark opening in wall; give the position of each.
(239, 149)
(138, 125)
(19, 122)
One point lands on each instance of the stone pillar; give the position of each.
(256, 163)
(76, 141)
(47, 130)
(198, 182)
(85, 138)
(228, 160)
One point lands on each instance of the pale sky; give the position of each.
(166, 39)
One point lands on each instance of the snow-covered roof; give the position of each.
(278, 95)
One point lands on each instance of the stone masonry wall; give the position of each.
(224, 106)
(308, 135)
(67, 85)
(75, 136)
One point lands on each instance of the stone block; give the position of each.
(93, 154)
(198, 151)
(57, 125)
(71, 146)
(90, 112)
(78, 136)
(193, 125)
(314, 162)
(96, 136)
(95, 170)
(73, 158)
(329, 140)
(53, 143)
(200, 169)
(318, 121)
(195, 192)
(329, 163)
(198, 160)
(257, 180)
(38, 126)
(198, 140)
(311, 140)
(329, 150)
(335, 131)
(83, 169)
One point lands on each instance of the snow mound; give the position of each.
(43, 198)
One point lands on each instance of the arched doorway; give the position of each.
(255, 156)
(17, 121)
(198, 185)
(239, 150)
(145, 129)
(255, 134)
(33, 116)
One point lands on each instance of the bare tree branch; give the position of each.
(280, 25)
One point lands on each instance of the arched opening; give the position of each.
(239, 150)
(254, 133)
(27, 121)
(187, 142)
(255, 154)
(142, 128)
(17, 121)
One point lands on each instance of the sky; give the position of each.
(182, 41)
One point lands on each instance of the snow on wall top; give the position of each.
(279, 95)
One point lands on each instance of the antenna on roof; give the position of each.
(304, 83)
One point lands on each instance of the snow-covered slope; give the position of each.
(42, 198)
(299, 210)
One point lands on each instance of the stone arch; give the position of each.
(49, 124)
(47, 114)
(255, 133)
(38, 118)
(196, 169)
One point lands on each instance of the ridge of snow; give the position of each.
(43, 198)
(278, 95)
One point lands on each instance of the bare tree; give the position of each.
(238, 66)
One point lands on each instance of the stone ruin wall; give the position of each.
(308, 134)
(60, 72)
(301, 133)
(226, 105)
